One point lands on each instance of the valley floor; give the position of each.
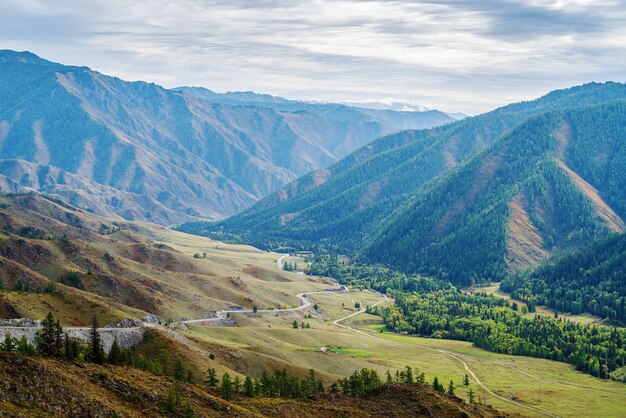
(344, 339)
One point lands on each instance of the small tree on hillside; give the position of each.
(9, 343)
(466, 381)
(46, 338)
(115, 354)
(211, 377)
(226, 387)
(248, 387)
(451, 388)
(96, 352)
(179, 369)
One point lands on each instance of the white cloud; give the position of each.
(458, 55)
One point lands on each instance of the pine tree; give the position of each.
(46, 338)
(409, 375)
(421, 379)
(248, 387)
(471, 396)
(294, 324)
(26, 348)
(438, 386)
(237, 384)
(466, 381)
(179, 369)
(58, 339)
(226, 387)
(451, 388)
(389, 378)
(211, 377)
(96, 352)
(115, 355)
(9, 343)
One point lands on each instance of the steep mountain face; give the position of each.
(465, 201)
(139, 151)
(517, 201)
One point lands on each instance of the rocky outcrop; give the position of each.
(19, 322)
(125, 323)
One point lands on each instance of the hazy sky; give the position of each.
(456, 55)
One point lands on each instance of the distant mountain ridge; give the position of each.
(138, 151)
(468, 201)
(417, 118)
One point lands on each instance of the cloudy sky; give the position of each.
(456, 55)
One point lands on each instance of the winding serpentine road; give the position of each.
(304, 299)
(306, 303)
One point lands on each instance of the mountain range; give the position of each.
(138, 151)
(469, 201)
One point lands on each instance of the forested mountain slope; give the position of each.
(517, 201)
(394, 196)
(592, 279)
(139, 151)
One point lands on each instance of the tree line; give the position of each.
(489, 323)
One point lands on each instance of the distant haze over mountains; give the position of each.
(139, 151)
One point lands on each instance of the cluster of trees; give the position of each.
(49, 288)
(489, 323)
(277, 384)
(302, 325)
(374, 276)
(360, 383)
(587, 280)
(290, 267)
(52, 341)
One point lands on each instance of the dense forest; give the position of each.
(489, 323)
(591, 280)
(438, 202)
(371, 276)
(459, 228)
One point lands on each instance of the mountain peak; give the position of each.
(24, 57)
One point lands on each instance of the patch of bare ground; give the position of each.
(487, 169)
(524, 243)
(371, 192)
(613, 221)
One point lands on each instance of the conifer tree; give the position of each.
(226, 387)
(211, 377)
(466, 381)
(408, 375)
(96, 352)
(115, 355)
(179, 369)
(9, 343)
(248, 386)
(451, 388)
(46, 338)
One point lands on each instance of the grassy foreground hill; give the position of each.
(51, 388)
(56, 255)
